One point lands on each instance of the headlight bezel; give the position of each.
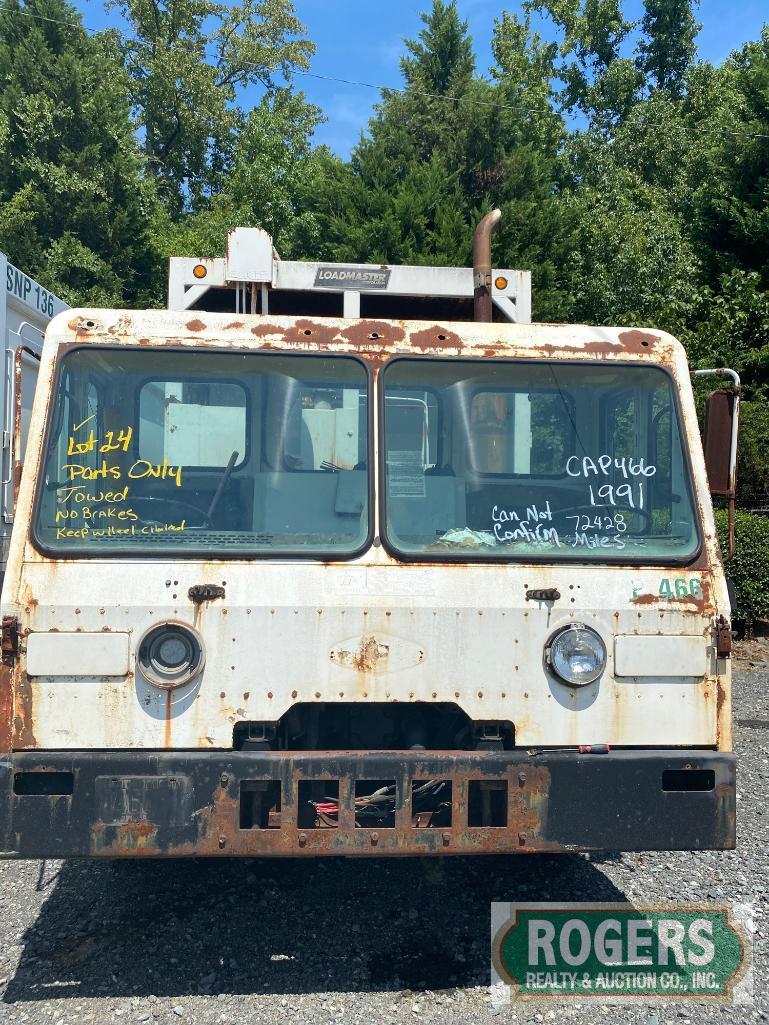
(151, 667)
(563, 633)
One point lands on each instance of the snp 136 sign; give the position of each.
(30, 292)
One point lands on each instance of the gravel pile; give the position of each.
(350, 941)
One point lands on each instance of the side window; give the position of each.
(641, 425)
(192, 423)
(521, 433)
(334, 429)
(413, 435)
(622, 425)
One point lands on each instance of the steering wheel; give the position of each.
(186, 508)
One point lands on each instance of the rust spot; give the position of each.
(365, 658)
(363, 332)
(647, 599)
(435, 338)
(310, 330)
(23, 722)
(638, 341)
(196, 325)
(214, 827)
(6, 708)
(596, 348)
(702, 603)
(723, 716)
(234, 325)
(128, 838)
(263, 330)
(246, 695)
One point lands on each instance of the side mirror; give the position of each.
(720, 414)
(720, 441)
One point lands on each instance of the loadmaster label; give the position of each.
(356, 278)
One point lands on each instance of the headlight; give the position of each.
(576, 654)
(170, 655)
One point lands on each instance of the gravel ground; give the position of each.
(366, 941)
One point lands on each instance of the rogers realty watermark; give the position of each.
(621, 952)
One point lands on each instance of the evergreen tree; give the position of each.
(668, 46)
(442, 58)
(401, 199)
(449, 147)
(74, 209)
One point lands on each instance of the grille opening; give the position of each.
(44, 784)
(487, 802)
(430, 803)
(318, 804)
(260, 804)
(688, 779)
(372, 726)
(375, 803)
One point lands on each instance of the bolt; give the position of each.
(446, 839)
(521, 779)
(222, 842)
(522, 839)
(224, 779)
(302, 839)
(375, 838)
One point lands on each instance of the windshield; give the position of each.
(206, 451)
(535, 460)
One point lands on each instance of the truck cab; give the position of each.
(297, 584)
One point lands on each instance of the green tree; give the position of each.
(273, 173)
(450, 146)
(187, 59)
(74, 209)
(732, 199)
(401, 197)
(667, 49)
(441, 58)
(596, 78)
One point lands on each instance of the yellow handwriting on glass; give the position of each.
(113, 441)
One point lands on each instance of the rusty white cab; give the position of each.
(286, 585)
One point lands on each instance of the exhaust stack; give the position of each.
(482, 266)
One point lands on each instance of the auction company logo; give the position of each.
(621, 952)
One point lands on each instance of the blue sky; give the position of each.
(362, 40)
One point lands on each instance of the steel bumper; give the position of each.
(188, 803)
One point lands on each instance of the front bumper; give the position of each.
(189, 803)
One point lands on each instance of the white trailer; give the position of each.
(26, 308)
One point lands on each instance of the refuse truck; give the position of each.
(345, 559)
